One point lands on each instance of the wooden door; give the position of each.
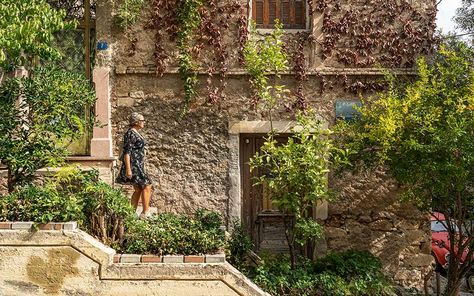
(262, 221)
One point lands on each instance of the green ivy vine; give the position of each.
(188, 20)
(128, 12)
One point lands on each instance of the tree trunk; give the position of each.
(10, 181)
(454, 282)
(290, 240)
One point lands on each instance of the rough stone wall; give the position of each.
(189, 158)
(369, 215)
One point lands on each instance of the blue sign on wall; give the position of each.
(102, 45)
(346, 110)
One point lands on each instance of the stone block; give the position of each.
(418, 260)
(216, 258)
(70, 225)
(120, 69)
(5, 225)
(137, 94)
(173, 259)
(193, 259)
(125, 102)
(22, 225)
(130, 258)
(151, 259)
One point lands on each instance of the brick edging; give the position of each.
(29, 225)
(137, 259)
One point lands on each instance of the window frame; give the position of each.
(307, 20)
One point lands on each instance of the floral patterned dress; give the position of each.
(134, 145)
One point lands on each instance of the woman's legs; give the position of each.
(146, 198)
(136, 196)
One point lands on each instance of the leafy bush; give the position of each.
(238, 246)
(209, 219)
(338, 274)
(169, 233)
(40, 204)
(36, 130)
(277, 277)
(106, 213)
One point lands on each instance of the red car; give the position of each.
(440, 247)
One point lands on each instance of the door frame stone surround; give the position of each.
(234, 205)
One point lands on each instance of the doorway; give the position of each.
(263, 223)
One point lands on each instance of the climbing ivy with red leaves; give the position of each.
(355, 34)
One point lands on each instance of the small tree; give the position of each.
(26, 32)
(35, 133)
(265, 59)
(39, 114)
(297, 176)
(423, 133)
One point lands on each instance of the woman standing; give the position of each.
(132, 171)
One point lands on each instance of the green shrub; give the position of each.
(169, 233)
(350, 273)
(209, 219)
(277, 277)
(109, 212)
(106, 213)
(40, 204)
(238, 247)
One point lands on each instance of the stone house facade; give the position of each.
(335, 49)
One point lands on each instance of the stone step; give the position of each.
(153, 210)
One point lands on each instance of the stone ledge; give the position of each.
(70, 226)
(325, 71)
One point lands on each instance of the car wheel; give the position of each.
(470, 281)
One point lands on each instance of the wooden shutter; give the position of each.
(299, 14)
(285, 12)
(272, 12)
(292, 13)
(258, 12)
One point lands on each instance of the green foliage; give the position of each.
(277, 277)
(209, 219)
(465, 16)
(72, 195)
(238, 247)
(339, 274)
(424, 134)
(106, 213)
(40, 204)
(39, 118)
(129, 11)
(107, 210)
(26, 31)
(169, 233)
(297, 174)
(188, 19)
(349, 264)
(265, 59)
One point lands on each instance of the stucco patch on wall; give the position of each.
(50, 272)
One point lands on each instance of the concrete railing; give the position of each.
(60, 259)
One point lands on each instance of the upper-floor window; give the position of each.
(291, 13)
